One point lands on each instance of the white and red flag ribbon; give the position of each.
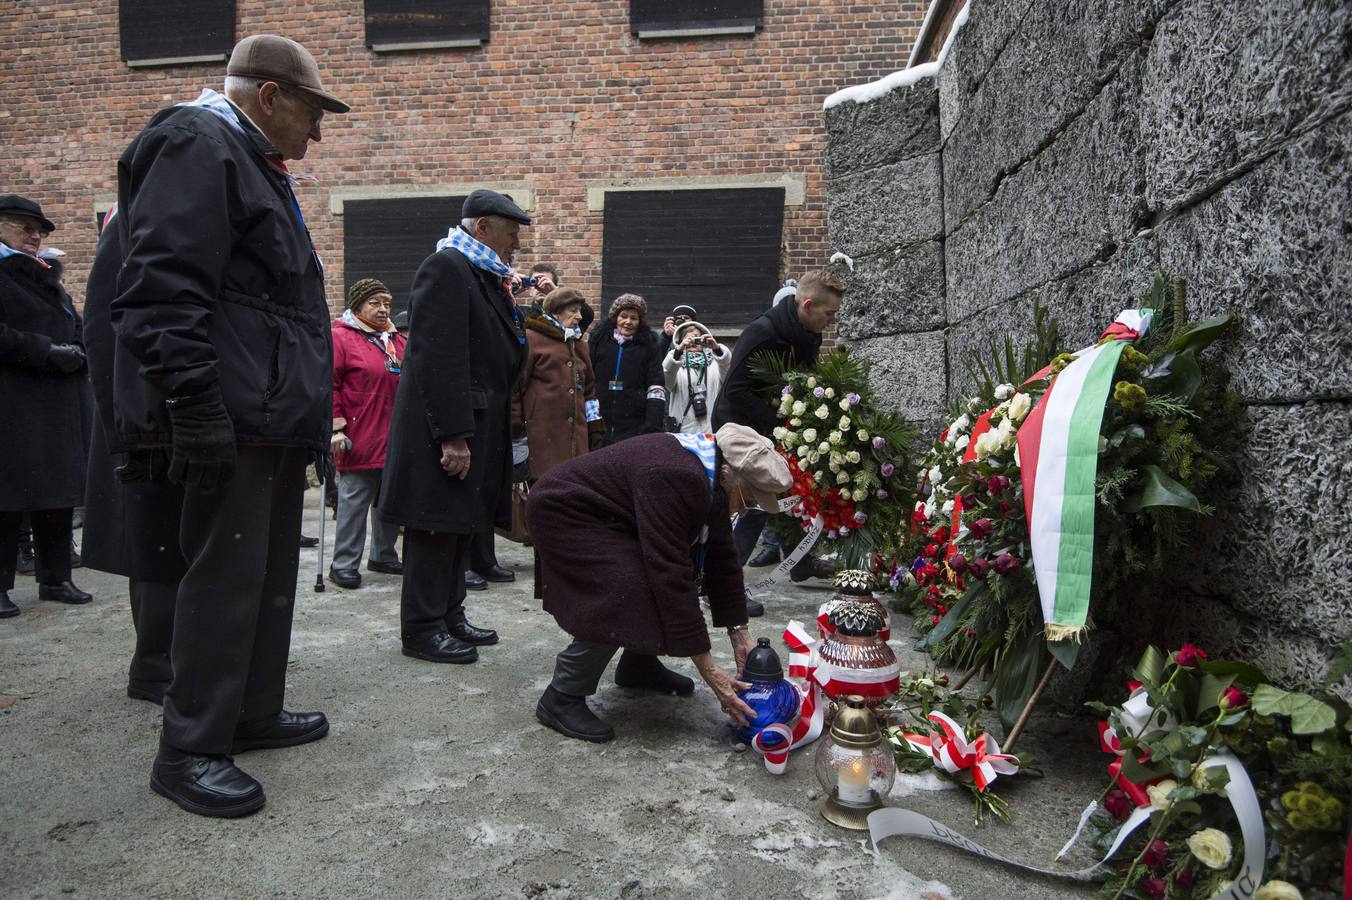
(1058, 459)
(953, 753)
(803, 665)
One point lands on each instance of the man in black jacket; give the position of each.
(221, 383)
(793, 330)
(449, 463)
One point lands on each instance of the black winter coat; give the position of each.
(629, 411)
(743, 399)
(219, 284)
(465, 351)
(45, 412)
(130, 529)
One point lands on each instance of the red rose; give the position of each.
(1007, 510)
(1006, 564)
(1189, 657)
(939, 534)
(928, 572)
(934, 620)
(979, 529)
(1157, 856)
(1185, 877)
(1118, 804)
(918, 518)
(1234, 698)
(931, 550)
(979, 568)
(1153, 886)
(997, 484)
(958, 563)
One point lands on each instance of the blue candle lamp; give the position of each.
(771, 695)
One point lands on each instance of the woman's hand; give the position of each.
(725, 688)
(741, 645)
(339, 443)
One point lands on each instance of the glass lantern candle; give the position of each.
(774, 698)
(855, 767)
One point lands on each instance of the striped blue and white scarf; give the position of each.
(7, 251)
(478, 253)
(702, 445)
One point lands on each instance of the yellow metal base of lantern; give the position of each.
(855, 818)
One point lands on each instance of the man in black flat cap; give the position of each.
(222, 371)
(449, 464)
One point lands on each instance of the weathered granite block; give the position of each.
(1225, 83)
(900, 124)
(886, 207)
(1061, 58)
(894, 291)
(1279, 547)
(1073, 204)
(951, 98)
(1274, 246)
(909, 373)
(990, 25)
(970, 340)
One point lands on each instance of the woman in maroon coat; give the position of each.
(627, 536)
(367, 355)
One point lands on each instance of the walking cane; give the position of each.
(322, 467)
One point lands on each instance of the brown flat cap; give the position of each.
(275, 58)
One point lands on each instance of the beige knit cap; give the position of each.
(754, 460)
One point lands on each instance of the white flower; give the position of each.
(987, 444)
(1210, 845)
(1102, 444)
(1007, 434)
(835, 437)
(823, 447)
(862, 436)
(810, 435)
(792, 439)
(813, 458)
(844, 406)
(1159, 795)
(842, 477)
(833, 465)
(785, 406)
(844, 423)
(811, 383)
(963, 442)
(795, 422)
(1278, 890)
(1019, 405)
(935, 476)
(1201, 778)
(803, 451)
(830, 393)
(920, 506)
(929, 510)
(1004, 391)
(859, 495)
(844, 530)
(779, 432)
(822, 412)
(947, 508)
(1016, 456)
(853, 457)
(799, 407)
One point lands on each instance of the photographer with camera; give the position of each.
(694, 371)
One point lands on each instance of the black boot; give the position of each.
(768, 556)
(460, 629)
(65, 592)
(639, 670)
(571, 716)
(7, 607)
(205, 785)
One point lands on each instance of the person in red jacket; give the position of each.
(367, 355)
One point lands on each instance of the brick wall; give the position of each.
(561, 96)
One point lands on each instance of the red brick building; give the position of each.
(599, 116)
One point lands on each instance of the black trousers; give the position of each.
(152, 615)
(232, 615)
(483, 555)
(434, 582)
(747, 531)
(51, 545)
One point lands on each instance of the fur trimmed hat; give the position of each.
(364, 290)
(560, 299)
(629, 301)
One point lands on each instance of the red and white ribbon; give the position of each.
(803, 665)
(953, 753)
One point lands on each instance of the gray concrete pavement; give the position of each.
(436, 781)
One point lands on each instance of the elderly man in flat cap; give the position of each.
(448, 466)
(222, 373)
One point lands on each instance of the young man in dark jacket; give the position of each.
(222, 384)
(793, 330)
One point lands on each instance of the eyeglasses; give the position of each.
(315, 111)
(384, 304)
(25, 227)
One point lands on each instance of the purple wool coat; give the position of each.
(618, 532)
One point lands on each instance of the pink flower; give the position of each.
(1153, 886)
(819, 392)
(860, 518)
(852, 399)
(878, 443)
(881, 494)
(1189, 656)
(997, 484)
(1157, 856)
(887, 470)
(980, 529)
(1233, 698)
(1118, 804)
(1006, 564)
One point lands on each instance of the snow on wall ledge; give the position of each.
(863, 93)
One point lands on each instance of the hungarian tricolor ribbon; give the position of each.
(953, 753)
(803, 665)
(1058, 456)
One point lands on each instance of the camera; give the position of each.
(699, 403)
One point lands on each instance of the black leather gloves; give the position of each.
(65, 358)
(203, 456)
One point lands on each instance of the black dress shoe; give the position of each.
(307, 541)
(153, 692)
(768, 556)
(754, 608)
(474, 582)
(479, 637)
(205, 785)
(286, 729)
(639, 670)
(571, 716)
(385, 568)
(810, 567)
(440, 648)
(7, 607)
(496, 574)
(345, 578)
(65, 592)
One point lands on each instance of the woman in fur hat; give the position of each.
(628, 364)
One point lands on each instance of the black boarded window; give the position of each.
(168, 32)
(683, 18)
(425, 24)
(388, 239)
(716, 250)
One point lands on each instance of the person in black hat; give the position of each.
(43, 388)
(223, 385)
(449, 463)
(679, 316)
